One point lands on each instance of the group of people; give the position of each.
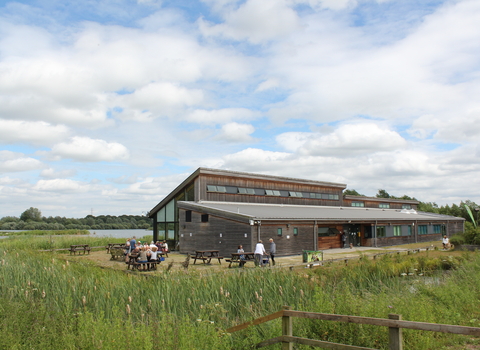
(146, 252)
(260, 253)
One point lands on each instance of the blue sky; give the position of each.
(106, 106)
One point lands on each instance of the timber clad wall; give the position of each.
(206, 235)
(287, 246)
(205, 180)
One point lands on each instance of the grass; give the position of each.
(48, 300)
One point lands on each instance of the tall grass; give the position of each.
(48, 300)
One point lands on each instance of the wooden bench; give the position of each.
(235, 261)
(240, 259)
(206, 256)
(143, 266)
(79, 248)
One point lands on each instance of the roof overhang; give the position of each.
(278, 212)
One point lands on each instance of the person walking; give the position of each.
(273, 250)
(259, 253)
(344, 239)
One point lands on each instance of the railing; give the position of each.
(394, 323)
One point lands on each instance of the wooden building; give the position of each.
(220, 209)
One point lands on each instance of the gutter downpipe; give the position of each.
(258, 230)
(375, 233)
(416, 231)
(315, 238)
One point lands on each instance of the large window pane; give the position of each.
(161, 231)
(171, 230)
(170, 211)
(161, 215)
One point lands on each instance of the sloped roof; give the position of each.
(247, 211)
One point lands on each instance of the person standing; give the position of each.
(344, 239)
(259, 253)
(273, 250)
(133, 244)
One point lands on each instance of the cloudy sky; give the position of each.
(106, 106)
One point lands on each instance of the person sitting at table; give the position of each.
(154, 254)
(259, 253)
(142, 257)
(165, 248)
(242, 256)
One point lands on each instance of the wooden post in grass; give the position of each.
(395, 334)
(287, 329)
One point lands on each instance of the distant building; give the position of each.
(221, 209)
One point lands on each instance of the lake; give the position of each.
(108, 233)
(120, 233)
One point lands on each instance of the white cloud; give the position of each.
(61, 185)
(221, 116)
(16, 162)
(347, 140)
(51, 173)
(255, 20)
(85, 149)
(160, 99)
(37, 133)
(237, 133)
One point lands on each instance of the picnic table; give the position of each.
(109, 246)
(117, 252)
(133, 263)
(237, 258)
(206, 256)
(79, 248)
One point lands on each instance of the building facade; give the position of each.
(220, 209)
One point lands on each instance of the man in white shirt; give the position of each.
(259, 253)
(446, 243)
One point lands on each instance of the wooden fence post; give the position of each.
(395, 334)
(287, 329)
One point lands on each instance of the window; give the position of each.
(406, 206)
(358, 204)
(279, 231)
(295, 194)
(422, 229)
(212, 188)
(246, 190)
(295, 231)
(204, 217)
(384, 205)
(409, 230)
(397, 230)
(188, 216)
(272, 193)
(438, 228)
(381, 231)
(327, 231)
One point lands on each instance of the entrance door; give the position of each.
(353, 234)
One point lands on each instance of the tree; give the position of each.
(383, 194)
(352, 192)
(32, 214)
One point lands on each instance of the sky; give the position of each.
(106, 106)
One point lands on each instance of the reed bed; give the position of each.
(51, 301)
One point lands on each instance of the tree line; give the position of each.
(32, 219)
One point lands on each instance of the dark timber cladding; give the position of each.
(260, 184)
(221, 209)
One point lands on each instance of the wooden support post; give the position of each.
(395, 334)
(287, 329)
